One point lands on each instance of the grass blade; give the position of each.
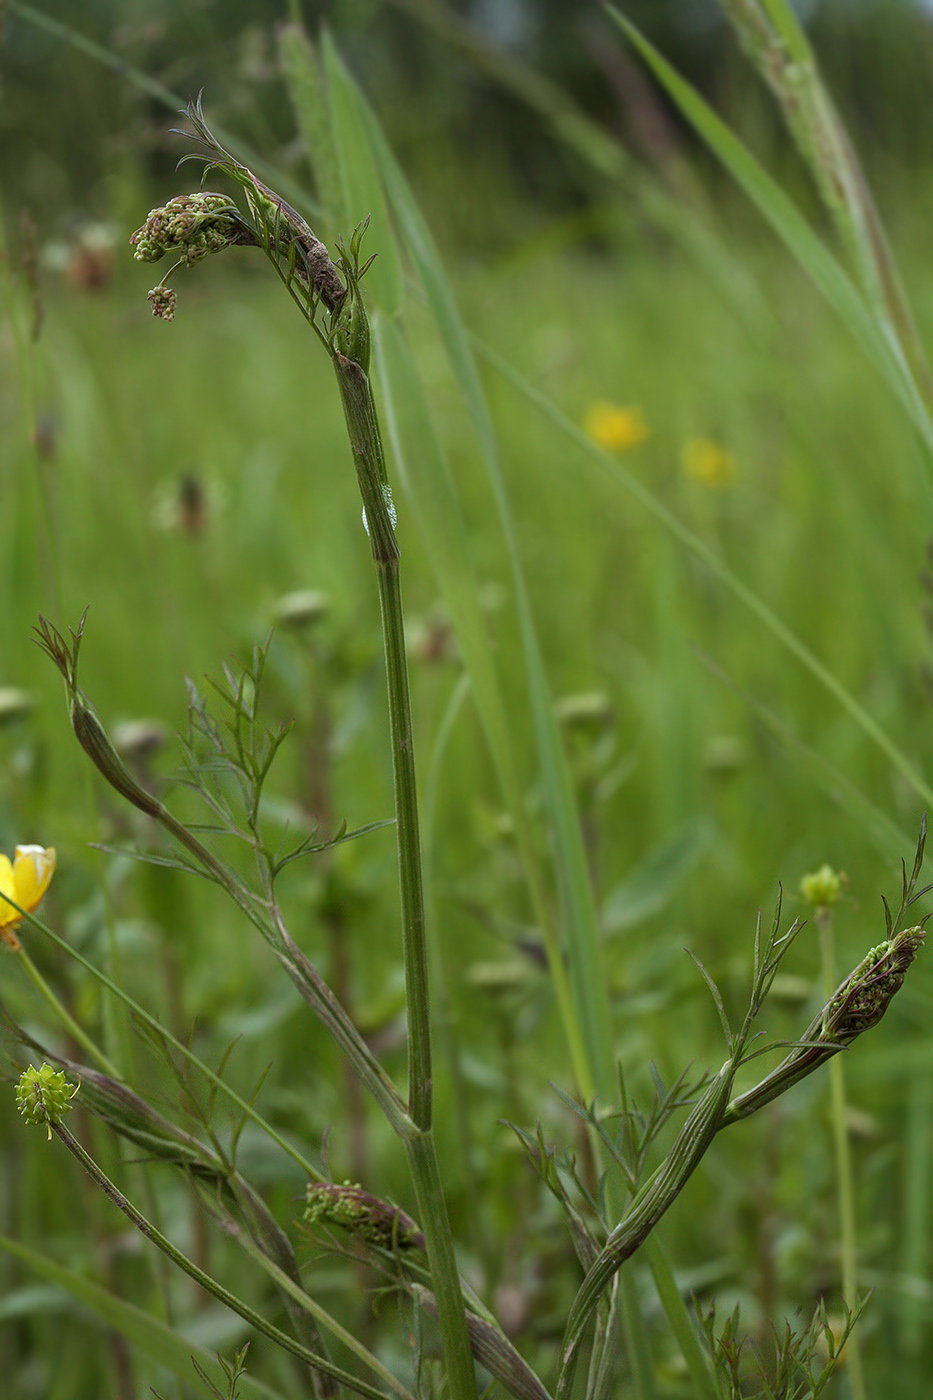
(363, 195)
(792, 228)
(429, 489)
(147, 1334)
(578, 910)
(730, 580)
(307, 92)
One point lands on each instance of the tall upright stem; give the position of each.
(366, 443)
(408, 837)
(847, 1213)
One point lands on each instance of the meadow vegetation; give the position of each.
(190, 485)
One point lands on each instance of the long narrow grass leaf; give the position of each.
(730, 580)
(788, 27)
(792, 228)
(147, 1334)
(363, 196)
(429, 489)
(586, 974)
(307, 91)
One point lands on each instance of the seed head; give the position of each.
(44, 1095)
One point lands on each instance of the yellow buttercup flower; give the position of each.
(705, 461)
(614, 426)
(25, 879)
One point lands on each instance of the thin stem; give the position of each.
(146, 1018)
(293, 1289)
(210, 1285)
(651, 1203)
(445, 1278)
(847, 1229)
(409, 846)
(366, 444)
(74, 1030)
(264, 915)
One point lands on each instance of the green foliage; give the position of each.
(183, 486)
(804, 1362)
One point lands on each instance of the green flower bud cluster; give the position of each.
(190, 224)
(364, 1215)
(162, 300)
(857, 1005)
(823, 888)
(44, 1095)
(866, 994)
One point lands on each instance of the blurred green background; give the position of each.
(179, 479)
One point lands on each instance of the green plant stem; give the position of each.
(366, 444)
(292, 1288)
(409, 846)
(445, 1278)
(837, 1092)
(651, 1203)
(210, 1285)
(74, 1030)
(147, 1019)
(264, 915)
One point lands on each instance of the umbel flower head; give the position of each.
(862, 999)
(856, 1006)
(162, 301)
(25, 880)
(363, 1214)
(194, 225)
(191, 225)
